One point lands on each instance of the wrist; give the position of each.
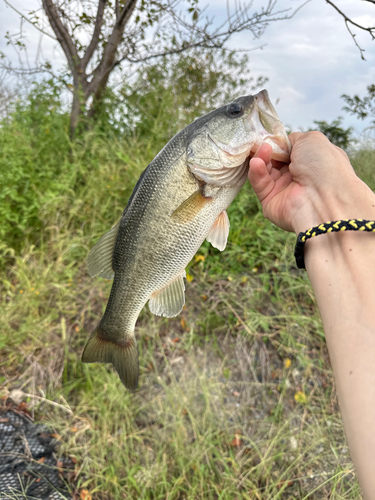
(352, 200)
(343, 226)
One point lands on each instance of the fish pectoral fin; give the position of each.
(224, 176)
(218, 235)
(99, 261)
(123, 354)
(191, 207)
(170, 300)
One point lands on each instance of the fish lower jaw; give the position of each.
(279, 142)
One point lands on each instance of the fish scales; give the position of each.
(179, 200)
(149, 219)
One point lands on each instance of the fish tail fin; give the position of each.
(123, 354)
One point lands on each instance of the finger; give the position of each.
(284, 169)
(260, 178)
(275, 174)
(265, 153)
(278, 164)
(341, 151)
(294, 137)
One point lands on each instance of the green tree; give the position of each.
(338, 135)
(99, 36)
(38, 163)
(362, 107)
(172, 93)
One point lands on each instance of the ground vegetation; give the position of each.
(236, 397)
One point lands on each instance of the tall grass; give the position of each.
(236, 396)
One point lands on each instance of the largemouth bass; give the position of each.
(179, 201)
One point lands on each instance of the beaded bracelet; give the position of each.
(329, 227)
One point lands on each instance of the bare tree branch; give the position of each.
(22, 71)
(125, 13)
(95, 36)
(109, 55)
(201, 37)
(361, 51)
(28, 20)
(348, 21)
(179, 51)
(178, 26)
(62, 34)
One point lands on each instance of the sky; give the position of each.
(310, 60)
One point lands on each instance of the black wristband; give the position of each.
(329, 227)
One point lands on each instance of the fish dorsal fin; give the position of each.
(218, 235)
(190, 208)
(99, 261)
(170, 300)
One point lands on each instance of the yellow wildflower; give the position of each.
(300, 397)
(287, 363)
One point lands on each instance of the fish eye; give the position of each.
(234, 109)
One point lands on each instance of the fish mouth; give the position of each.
(264, 127)
(270, 128)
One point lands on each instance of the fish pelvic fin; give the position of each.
(218, 235)
(123, 354)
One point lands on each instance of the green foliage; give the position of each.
(38, 163)
(338, 135)
(172, 93)
(363, 161)
(362, 107)
(236, 396)
(34, 164)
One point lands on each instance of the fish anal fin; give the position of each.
(99, 261)
(190, 208)
(170, 300)
(218, 235)
(123, 354)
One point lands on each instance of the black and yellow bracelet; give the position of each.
(329, 227)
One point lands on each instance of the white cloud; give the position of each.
(314, 56)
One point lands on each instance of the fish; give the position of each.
(179, 201)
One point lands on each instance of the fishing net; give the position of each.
(29, 468)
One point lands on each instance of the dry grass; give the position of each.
(236, 396)
(216, 414)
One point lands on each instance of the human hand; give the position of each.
(317, 186)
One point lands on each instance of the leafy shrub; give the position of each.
(43, 175)
(33, 161)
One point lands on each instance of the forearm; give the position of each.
(320, 185)
(341, 268)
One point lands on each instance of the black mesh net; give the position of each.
(29, 468)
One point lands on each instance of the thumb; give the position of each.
(260, 178)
